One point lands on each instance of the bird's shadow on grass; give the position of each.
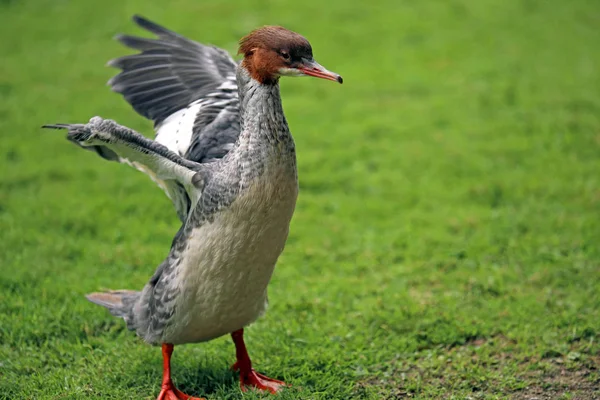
(201, 379)
(193, 377)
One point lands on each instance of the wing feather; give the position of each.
(176, 70)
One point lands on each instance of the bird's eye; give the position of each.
(285, 55)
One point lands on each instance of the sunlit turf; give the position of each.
(446, 242)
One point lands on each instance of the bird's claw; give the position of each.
(170, 392)
(252, 379)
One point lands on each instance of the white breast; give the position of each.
(228, 263)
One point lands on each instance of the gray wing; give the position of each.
(170, 73)
(216, 128)
(188, 89)
(190, 92)
(177, 175)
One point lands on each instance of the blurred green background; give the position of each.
(446, 242)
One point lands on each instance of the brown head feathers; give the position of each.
(268, 49)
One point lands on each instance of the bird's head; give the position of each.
(273, 51)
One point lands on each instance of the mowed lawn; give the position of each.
(446, 242)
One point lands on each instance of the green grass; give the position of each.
(446, 242)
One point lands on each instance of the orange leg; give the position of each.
(168, 390)
(248, 376)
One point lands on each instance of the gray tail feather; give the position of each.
(120, 303)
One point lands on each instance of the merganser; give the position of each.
(224, 155)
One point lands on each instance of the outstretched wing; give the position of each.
(178, 176)
(188, 89)
(190, 92)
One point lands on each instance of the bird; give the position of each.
(223, 153)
